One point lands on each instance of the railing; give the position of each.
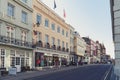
(48, 47)
(16, 42)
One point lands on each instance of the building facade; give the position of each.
(79, 47)
(88, 49)
(15, 33)
(50, 37)
(72, 52)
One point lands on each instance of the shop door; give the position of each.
(18, 65)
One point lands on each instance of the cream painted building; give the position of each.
(50, 36)
(115, 16)
(79, 46)
(72, 53)
(15, 33)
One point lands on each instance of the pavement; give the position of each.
(30, 74)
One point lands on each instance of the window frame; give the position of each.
(11, 10)
(24, 17)
(46, 38)
(53, 26)
(2, 65)
(58, 43)
(39, 18)
(58, 29)
(63, 32)
(46, 25)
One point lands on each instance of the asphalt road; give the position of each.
(92, 72)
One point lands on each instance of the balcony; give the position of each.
(14, 42)
(54, 47)
(67, 50)
(59, 48)
(63, 49)
(47, 47)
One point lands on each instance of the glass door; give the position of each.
(18, 64)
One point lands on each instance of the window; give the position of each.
(53, 26)
(10, 10)
(38, 19)
(58, 29)
(62, 31)
(24, 17)
(66, 45)
(17, 60)
(66, 34)
(39, 36)
(53, 40)
(62, 43)
(2, 58)
(27, 58)
(25, 1)
(12, 58)
(46, 38)
(58, 42)
(71, 40)
(10, 32)
(24, 36)
(46, 23)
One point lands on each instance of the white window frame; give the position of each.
(63, 44)
(27, 59)
(63, 32)
(46, 23)
(58, 29)
(11, 10)
(39, 36)
(58, 42)
(46, 38)
(24, 36)
(53, 26)
(11, 32)
(2, 56)
(53, 41)
(37, 19)
(24, 17)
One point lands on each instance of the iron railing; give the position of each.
(16, 42)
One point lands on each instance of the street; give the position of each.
(92, 72)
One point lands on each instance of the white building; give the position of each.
(115, 15)
(79, 46)
(15, 33)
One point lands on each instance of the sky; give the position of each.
(91, 18)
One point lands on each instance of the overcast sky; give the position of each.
(88, 17)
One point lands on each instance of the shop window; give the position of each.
(17, 60)
(22, 62)
(27, 58)
(27, 61)
(2, 58)
(12, 58)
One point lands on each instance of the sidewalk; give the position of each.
(30, 74)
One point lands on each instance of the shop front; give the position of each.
(55, 60)
(15, 57)
(39, 59)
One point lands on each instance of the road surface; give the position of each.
(92, 72)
